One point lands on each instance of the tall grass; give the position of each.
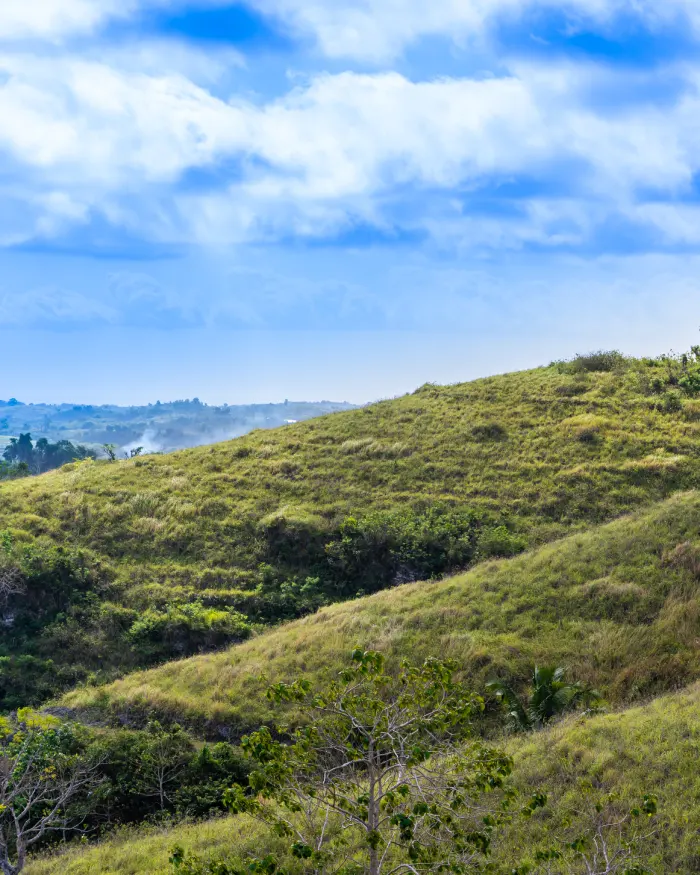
(618, 605)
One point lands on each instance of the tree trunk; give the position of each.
(372, 815)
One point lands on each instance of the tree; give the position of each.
(163, 759)
(550, 696)
(110, 451)
(20, 450)
(383, 777)
(45, 784)
(612, 843)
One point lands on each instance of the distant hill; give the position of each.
(160, 427)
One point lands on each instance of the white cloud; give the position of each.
(53, 19)
(373, 30)
(94, 136)
(378, 30)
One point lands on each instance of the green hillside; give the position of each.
(165, 556)
(652, 747)
(618, 605)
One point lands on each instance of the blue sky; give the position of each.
(340, 198)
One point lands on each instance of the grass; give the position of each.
(547, 452)
(147, 850)
(618, 605)
(650, 748)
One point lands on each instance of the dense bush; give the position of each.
(184, 629)
(156, 773)
(368, 553)
(601, 360)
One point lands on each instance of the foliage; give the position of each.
(576, 762)
(183, 629)
(46, 785)
(376, 779)
(23, 456)
(614, 843)
(598, 362)
(618, 605)
(550, 696)
(279, 523)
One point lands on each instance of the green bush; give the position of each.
(593, 362)
(185, 629)
(489, 431)
(670, 402)
(499, 541)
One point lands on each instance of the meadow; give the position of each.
(183, 553)
(549, 517)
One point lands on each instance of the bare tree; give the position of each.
(612, 843)
(45, 785)
(11, 584)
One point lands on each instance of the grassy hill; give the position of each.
(619, 605)
(653, 747)
(164, 556)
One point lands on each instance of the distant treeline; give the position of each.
(23, 457)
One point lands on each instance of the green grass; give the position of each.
(618, 605)
(650, 748)
(545, 451)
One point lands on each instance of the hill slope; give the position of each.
(171, 555)
(619, 605)
(652, 748)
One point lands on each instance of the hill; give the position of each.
(618, 605)
(169, 426)
(651, 748)
(132, 563)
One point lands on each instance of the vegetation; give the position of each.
(167, 426)
(276, 524)
(617, 605)
(45, 785)
(22, 457)
(517, 483)
(375, 778)
(550, 697)
(577, 763)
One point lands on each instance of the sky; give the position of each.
(340, 199)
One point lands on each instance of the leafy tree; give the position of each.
(164, 757)
(23, 456)
(20, 449)
(46, 785)
(550, 695)
(384, 775)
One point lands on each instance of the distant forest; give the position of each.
(22, 456)
(35, 438)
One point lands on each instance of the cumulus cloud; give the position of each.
(99, 138)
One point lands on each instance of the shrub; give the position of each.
(185, 629)
(489, 431)
(670, 402)
(499, 541)
(599, 361)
